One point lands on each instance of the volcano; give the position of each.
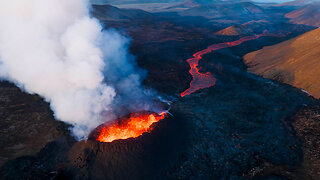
(224, 121)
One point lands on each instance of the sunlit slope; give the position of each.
(308, 15)
(296, 62)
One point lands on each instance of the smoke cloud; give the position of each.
(55, 49)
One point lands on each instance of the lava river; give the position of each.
(205, 80)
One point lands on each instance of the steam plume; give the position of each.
(55, 49)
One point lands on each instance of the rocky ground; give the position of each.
(307, 125)
(26, 124)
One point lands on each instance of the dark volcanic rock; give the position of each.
(50, 163)
(27, 123)
(307, 126)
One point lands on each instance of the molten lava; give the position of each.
(205, 80)
(133, 126)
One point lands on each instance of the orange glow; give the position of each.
(205, 80)
(131, 127)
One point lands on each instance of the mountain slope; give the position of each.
(263, 26)
(296, 62)
(244, 29)
(100, 2)
(308, 15)
(226, 10)
(193, 3)
(111, 13)
(297, 3)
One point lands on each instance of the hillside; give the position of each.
(244, 29)
(132, 1)
(237, 12)
(111, 13)
(297, 3)
(296, 62)
(308, 15)
(263, 26)
(192, 3)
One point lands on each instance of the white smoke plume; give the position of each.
(55, 49)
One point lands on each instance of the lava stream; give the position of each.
(133, 126)
(205, 80)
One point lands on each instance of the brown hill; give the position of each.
(243, 29)
(308, 15)
(296, 62)
(297, 3)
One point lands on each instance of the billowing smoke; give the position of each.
(55, 49)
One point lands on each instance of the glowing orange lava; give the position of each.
(205, 80)
(132, 127)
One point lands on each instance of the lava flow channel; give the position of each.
(205, 80)
(131, 127)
